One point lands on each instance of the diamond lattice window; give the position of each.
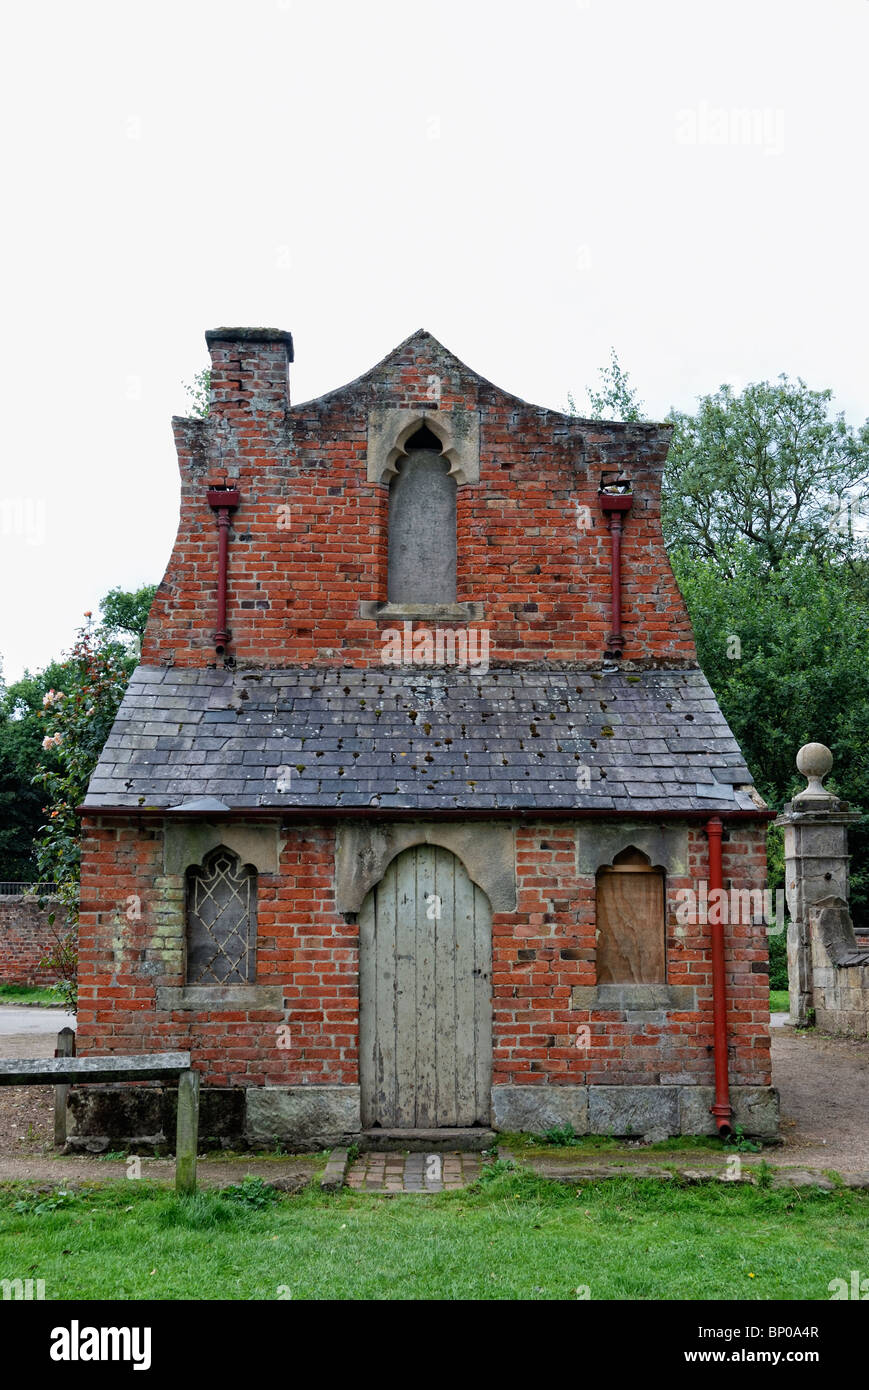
(221, 921)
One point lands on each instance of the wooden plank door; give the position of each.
(425, 1006)
(630, 927)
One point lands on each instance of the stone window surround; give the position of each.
(185, 845)
(363, 852)
(459, 433)
(666, 848)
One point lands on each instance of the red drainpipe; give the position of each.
(721, 1108)
(222, 500)
(615, 506)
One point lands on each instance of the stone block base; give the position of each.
(300, 1118)
(654, 1112)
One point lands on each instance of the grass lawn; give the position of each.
(27, 994)
(779, 1001)
(512, 1236)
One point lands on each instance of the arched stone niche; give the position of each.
(364, 851)
(457, 430)
(665, 847)
(422, 557)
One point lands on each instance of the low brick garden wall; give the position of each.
(25, 939)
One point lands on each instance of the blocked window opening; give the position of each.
(631, 924)
(422, 525)
(221, 920)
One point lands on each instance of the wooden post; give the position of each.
(65, 1048)
(187, 1135)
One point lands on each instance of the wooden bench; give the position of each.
(146, 1066)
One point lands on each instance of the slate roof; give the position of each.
(422, 739)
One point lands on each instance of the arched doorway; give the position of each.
(425, 995)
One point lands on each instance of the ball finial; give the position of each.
(814, 761)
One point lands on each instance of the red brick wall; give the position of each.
(303, 944)
(540, 952)
(548, 945)
(26, 937)
(296, 577)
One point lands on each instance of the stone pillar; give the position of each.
(815, 827)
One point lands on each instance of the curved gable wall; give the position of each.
(308, 543)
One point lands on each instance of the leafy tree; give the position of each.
(786, 651)
(77, 722)
(615, 400)
(21, 801)
(770, 467)
(125, 615)
(22, 728)
(199, 391)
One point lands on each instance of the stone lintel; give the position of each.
(666, 846)
(364, 850)
(186, 843)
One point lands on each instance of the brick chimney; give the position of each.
(249, 370)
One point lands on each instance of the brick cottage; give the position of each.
(418, 814)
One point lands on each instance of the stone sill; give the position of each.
(424, 612)
(625, 997)
(213, 998)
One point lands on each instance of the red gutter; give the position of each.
(615, 506)
(330, 813)
(222, 500)
(721, 1108)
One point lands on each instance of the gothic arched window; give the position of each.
(422, 525)
(221, 920)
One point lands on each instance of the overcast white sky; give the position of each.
(532, 183)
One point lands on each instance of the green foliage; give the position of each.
(497, 1169)
(737, 1140)
(199, 391)
(252, 1192)
(52, 728)
(616, 399)
(513, 1237)
(778, 961)
(39, 1204)
(125, 614)
(561, 1137)
(786, 650)
(77, 722)
(769, 468)
(28, 994)
(21, 801)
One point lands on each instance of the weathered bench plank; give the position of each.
(144, 1066)
(27, 1071)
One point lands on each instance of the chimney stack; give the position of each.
(249, 370)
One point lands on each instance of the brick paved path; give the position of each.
(396, 1172)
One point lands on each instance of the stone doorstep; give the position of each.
(424, 1141)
